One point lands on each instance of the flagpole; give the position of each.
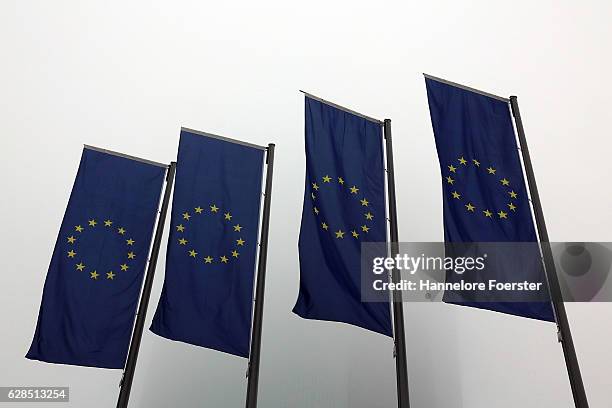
(399, 336)
(254, 355)
(563, 327)
(130, 365)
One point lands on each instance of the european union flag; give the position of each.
(208, 289)
(484, 194)
(344, 205)
(94, 280)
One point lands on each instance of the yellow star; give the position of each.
(326, 179)
(470, 207)
(502, 214)
(462, 161)
(364, 202)
(491, 170)
(488, 213)
(341, 180)
(324, 226)
(512, 206)
(369, 216)
(108, 223)
(316, 210)
(92, 223)
(505, 182)
(121, 230)
(214, 208)
(182, 241)
(354, 234)
(365, 228)
(476, 162)
(131, 255)
(240, 242)
(228, 216)
(71, 254)
(192, 253)
(130, 241)
(452, 169)
(512, 194)
(450, 180)
(339, 234)
(315, 186)
(186, 216)
(71, 239)
(354, 190)
(235, 253)
(208, 259)
(198, 210)
(78, 228)
(180, 228)
(110, 275)
(80, 266)
(124, 267)
(456, 195)
(94, 275)
(237, 227)
(223, 259)
(313, 196)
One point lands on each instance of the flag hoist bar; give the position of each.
(399, 336)
(563, 328)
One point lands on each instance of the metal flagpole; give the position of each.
(401, 362)
(254, 354)
(564, 332)
(130, 365)
(399, 336)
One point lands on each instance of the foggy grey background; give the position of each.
(127, 75)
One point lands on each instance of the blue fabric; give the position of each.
(481, 168)
(93, 283)
(344, 205)
(208, 289)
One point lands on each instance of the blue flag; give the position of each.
(208, 289)
(344, 205)
(95, 276)
(484, 194)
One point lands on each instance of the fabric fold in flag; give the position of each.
(93, 282)
(484, 191)
(207, 295)
(344, 206)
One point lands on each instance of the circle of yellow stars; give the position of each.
(353, 190)
(214, 211)
(499, 213)
(93, 224)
